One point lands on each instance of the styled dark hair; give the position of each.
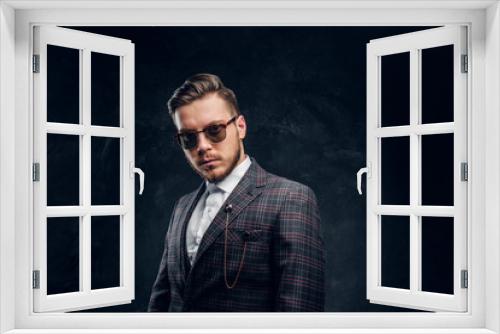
(199, 86)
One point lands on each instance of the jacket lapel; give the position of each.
(244, 193)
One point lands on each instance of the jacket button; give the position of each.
(246, 236)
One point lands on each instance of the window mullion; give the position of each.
(415, 241)
(420, 129)
(405, 210)
(79, 129)
(85, 232)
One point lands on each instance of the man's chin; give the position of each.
(212, 175)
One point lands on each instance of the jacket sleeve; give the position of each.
(160, 293)
(298, 254)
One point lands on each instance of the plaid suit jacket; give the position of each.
(283, 267)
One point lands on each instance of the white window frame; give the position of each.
(16, 20)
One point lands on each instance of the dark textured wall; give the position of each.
(302, 91)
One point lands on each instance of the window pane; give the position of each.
(105, 252)
(63, 84)
(437, 84)
(105, 171)
(395, 89)
(63, 170)
(437, 254)
(437, 169)
(395, 167)
(395, 251)
(63, 257)
(105, 89)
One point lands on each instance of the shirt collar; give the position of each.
(230, 181)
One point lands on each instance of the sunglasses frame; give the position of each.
(224, 125)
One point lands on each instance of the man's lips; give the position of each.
(204, 162)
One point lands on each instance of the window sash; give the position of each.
(85, 298)
(414, 297)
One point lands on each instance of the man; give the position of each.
(246, 240)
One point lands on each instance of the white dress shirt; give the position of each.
(209, 205)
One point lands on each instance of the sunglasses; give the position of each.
(215, 133)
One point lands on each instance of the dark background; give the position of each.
(302, 91)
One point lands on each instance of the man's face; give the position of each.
(212, 161)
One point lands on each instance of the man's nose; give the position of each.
(203, 143)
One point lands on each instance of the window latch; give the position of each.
(134, 170)
(362, 171)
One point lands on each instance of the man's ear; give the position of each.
(241, 125)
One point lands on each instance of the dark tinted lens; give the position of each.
(188, 140)
(216, 132)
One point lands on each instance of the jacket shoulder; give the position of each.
(287, 186)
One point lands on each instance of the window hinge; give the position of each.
(464, 171)
(465, 65)
(464, 279)
(36, 279)
(36, 63)
(36, 171)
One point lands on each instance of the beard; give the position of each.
(216, 178)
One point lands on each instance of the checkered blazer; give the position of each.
(283, 267)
